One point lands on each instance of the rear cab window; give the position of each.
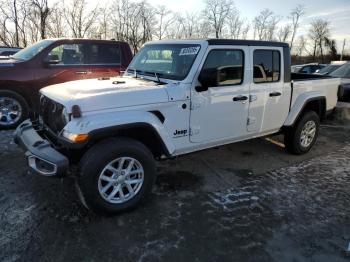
(267, 66)
(104, 54)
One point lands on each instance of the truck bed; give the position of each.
(323, 86)
(305, 77)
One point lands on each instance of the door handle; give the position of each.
(275, 94)
(81, 72)
(240, 98)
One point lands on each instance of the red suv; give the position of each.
(54, 61)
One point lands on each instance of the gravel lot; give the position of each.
(249, 201)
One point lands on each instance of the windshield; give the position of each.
(32, 50)
(170, 61)
(343, 71)
(328, 69)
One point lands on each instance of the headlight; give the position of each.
(75, 137)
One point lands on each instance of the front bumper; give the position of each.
(41, 156)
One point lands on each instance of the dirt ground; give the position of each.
(249, 201)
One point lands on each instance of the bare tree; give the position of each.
(165, 18)
(217, 12)
(42, 11)
(265, 25)
(191, 24)
(15, 19)
(132, 22)
(284, 33)
(245, 31)
(102, 27)
(235, 23)
(10, 14)
(177, 29)
(140, 25)
(79, 18)
(301, 46)
(318, 32)
(295, 15)
(332, 45)
(57, 26)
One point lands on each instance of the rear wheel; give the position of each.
(13, 109)
(300, 138)
(116, 175)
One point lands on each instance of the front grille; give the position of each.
(51, 114)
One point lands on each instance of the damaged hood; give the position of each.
(96, 94)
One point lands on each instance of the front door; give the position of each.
(220, 113)
(65, 62)
(269, 99)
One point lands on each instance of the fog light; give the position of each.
(75, 137)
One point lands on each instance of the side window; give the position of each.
(267, 66)
(104, 54)
(227, 65)
(306, 70)
(68, 54)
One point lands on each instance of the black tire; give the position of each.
(24, 109)
(340, 92)
(292, 136)
(94, 161)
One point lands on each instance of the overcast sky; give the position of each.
(337, 12)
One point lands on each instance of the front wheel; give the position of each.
(116, 175)
(300, 138)
(13, 109)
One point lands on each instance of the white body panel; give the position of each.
(267, 113)
(214, 115)
(193, 120)
(306, 90)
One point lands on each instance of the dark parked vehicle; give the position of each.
(328, 69)
(7, 50)
(344, 73)
(307, 68)
(50, 62)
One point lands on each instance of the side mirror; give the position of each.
(51, 60)
(207, 78)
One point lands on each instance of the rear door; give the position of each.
(220, 113)
(269, 100)
(104, 60)
(64, 62)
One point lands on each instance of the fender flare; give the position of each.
(300, 104)
(102, 127)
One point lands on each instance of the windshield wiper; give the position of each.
(157, 75)
(147, 73)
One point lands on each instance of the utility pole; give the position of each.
(342, 51)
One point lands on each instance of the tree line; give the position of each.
(24, 22)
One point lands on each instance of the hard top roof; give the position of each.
(245, 42)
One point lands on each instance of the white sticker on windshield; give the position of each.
(190, 50)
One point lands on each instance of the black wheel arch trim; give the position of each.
(111, 131)
(108, 132)
(307, 101)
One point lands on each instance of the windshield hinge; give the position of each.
(194, 131)
(195, 105)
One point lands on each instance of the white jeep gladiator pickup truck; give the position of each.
(176, 97)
